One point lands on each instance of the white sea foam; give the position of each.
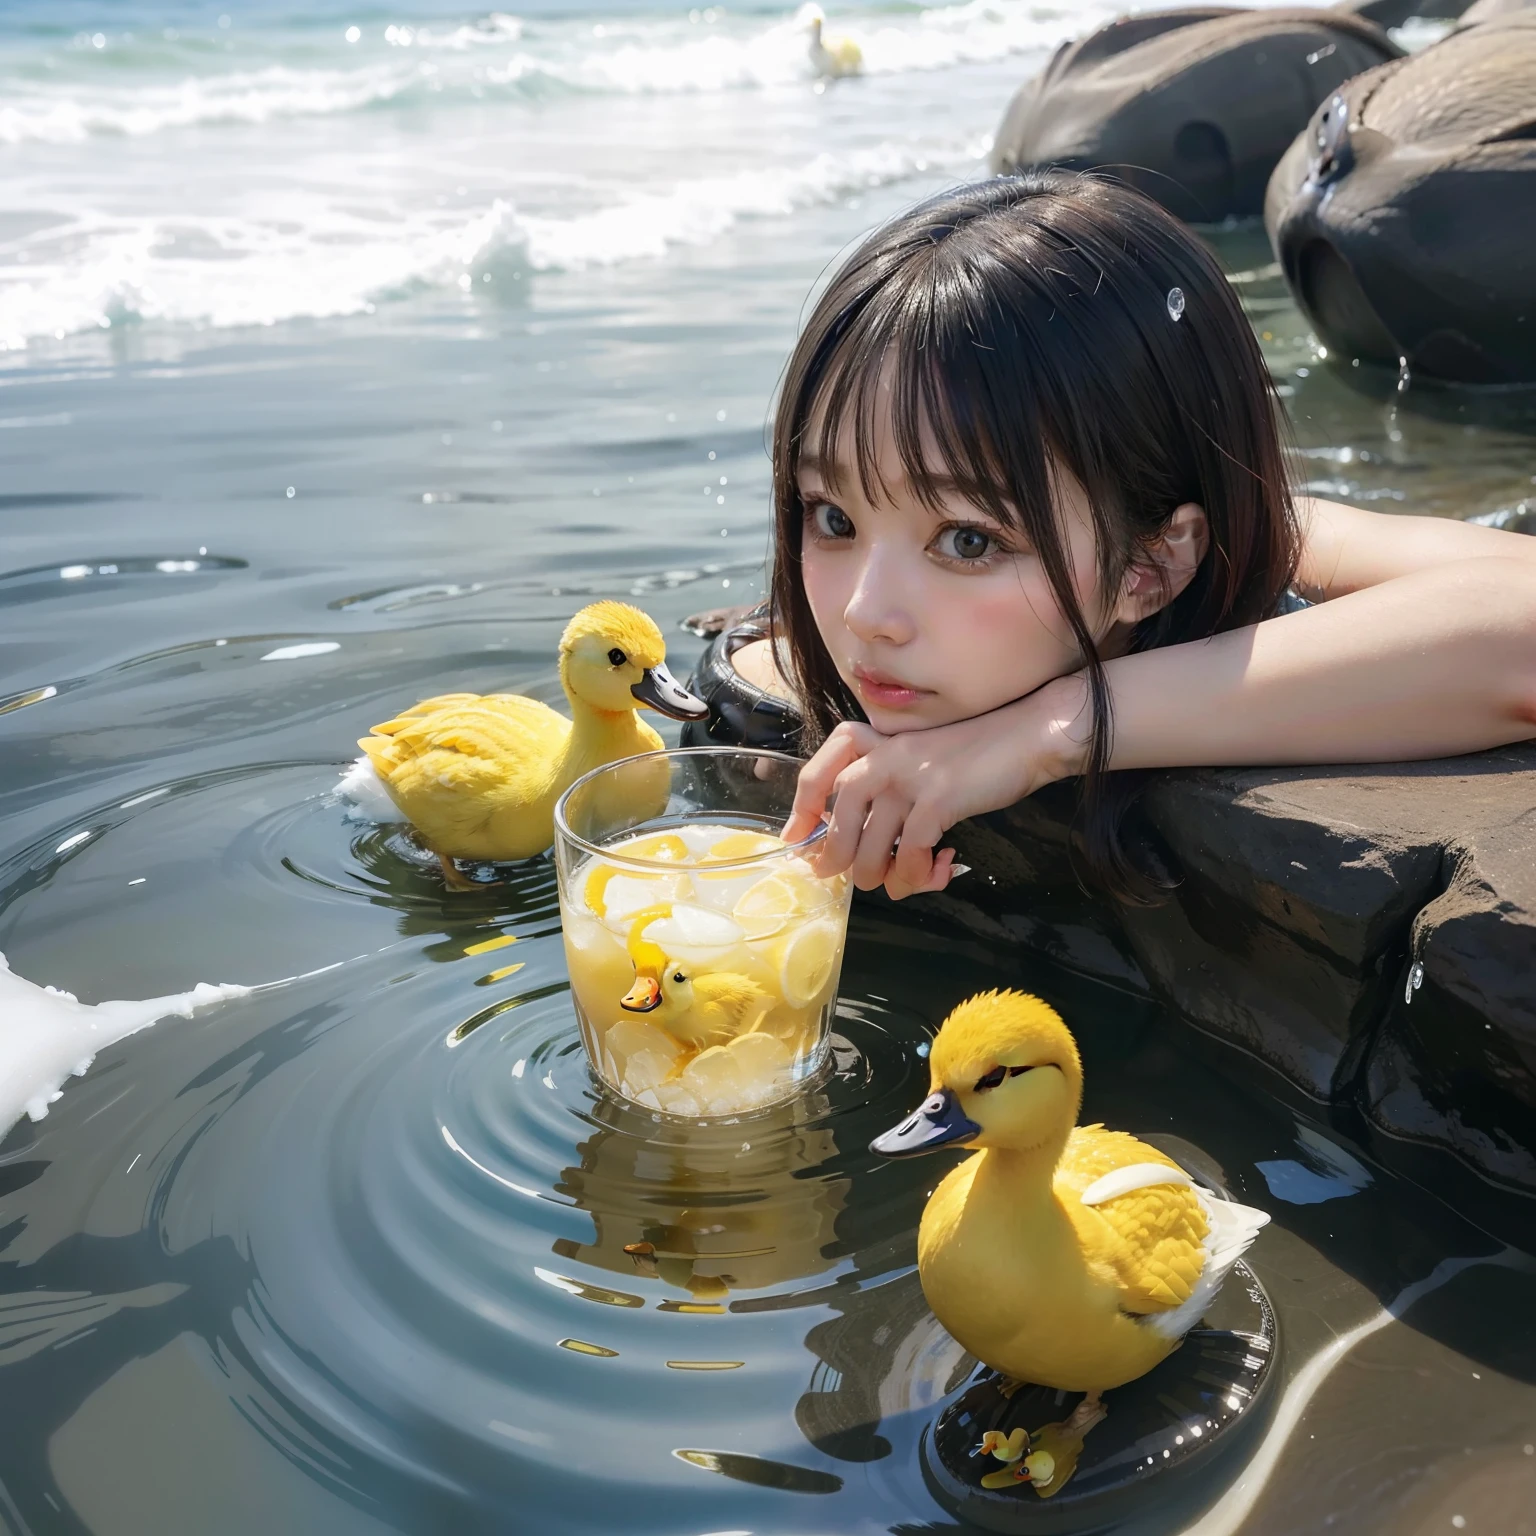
(322, 258)
(697, 211)
(624, 55)
(47, 1036)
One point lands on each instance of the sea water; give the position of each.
(339, 372)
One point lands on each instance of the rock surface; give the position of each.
(1194, 107)
(1404, 216)
(1305, 899)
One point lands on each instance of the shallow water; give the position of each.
(349, 1256)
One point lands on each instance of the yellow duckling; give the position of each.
(1070, 1256)
(698, 1011)
(479, 775)
(833, 58)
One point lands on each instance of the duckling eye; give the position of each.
(617, 657)
(678, 976)
(991, 1079)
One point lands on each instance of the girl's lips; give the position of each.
(889, 693)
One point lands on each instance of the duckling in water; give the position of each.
(1066, 1255)
(698, 1011)
(478, 775)
(833, 58)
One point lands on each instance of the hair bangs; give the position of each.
(910, 374)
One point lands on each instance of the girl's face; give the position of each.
(935, 616)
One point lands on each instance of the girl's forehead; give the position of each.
(877, 464)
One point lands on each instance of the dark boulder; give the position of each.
(1194, 107)
(1393, 13)
(1404, 217)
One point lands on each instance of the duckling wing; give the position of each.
(454, 762)
(1149, 1234)
(738, 996)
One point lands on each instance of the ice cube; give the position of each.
(721, 890)
(759, 1057)
(676, 1100)
(700, 837)
(647, 1097)
(715, 1077)
(626, 895)
(645, 1069)
(695, 928)
(628, 1038)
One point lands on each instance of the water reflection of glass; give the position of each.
(704, 952)
(707, 1213)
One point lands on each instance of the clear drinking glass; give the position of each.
(704, 951)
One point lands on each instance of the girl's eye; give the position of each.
(965, 543)
(831, 522)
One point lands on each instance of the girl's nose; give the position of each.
(878, 608)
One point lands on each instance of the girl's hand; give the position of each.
(912, 788)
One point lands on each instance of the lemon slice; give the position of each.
(741, 845)
(663, 847)
(595, 891)
(806, 962)
(768, 904)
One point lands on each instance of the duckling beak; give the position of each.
(938, 1122)
(643, 996)
(661, 691)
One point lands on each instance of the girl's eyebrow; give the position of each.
(830, 476)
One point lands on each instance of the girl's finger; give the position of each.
(914, 859)
(843, 747)
(856, 788)
(943, 871)
(873, 858)
(936, 879)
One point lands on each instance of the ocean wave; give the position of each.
(223, 272)
(498, 56)
(229, 272)
(700, 210)
(70, 115)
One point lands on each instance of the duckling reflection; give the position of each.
(709, 1210)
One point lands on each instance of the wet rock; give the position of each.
(1405, 215)
(1304, 898)
(1195, 107)
(1393, 13)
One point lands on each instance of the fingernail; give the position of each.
(959, 869)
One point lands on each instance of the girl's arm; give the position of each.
(1425, 651)
(1346, 549)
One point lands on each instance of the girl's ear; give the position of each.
(1161, 570)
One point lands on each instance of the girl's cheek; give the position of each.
(1019, 632)
(827, 590)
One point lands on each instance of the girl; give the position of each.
(1032, 522)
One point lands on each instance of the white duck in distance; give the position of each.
(833, 57)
